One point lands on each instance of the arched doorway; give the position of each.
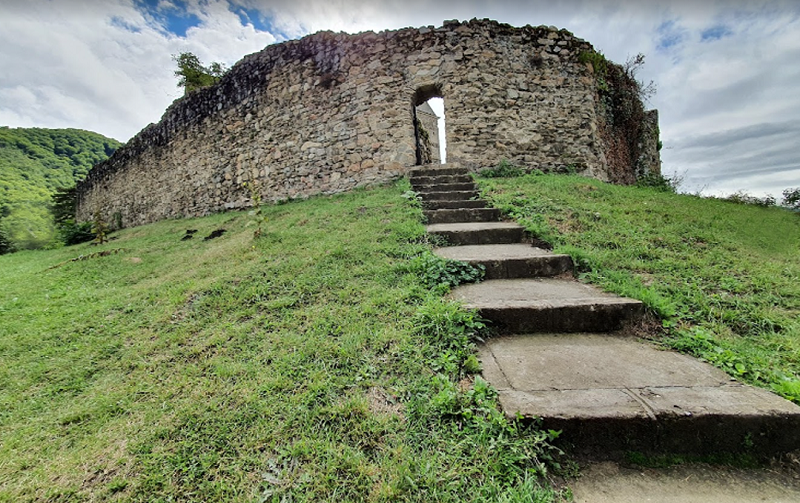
(429, 124)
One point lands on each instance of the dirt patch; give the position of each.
(381, 402)
(104, 253)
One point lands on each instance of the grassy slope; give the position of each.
(249, 370)
(725, 277)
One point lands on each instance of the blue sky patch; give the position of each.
(121, 23)
(715, 33)
(180, 23)
(259, 20)
(669, 35)
(176, 20)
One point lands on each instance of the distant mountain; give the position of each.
(34, 163)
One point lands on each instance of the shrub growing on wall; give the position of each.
(621, 105)
(193, 75)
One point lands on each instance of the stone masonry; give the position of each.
(331, 112)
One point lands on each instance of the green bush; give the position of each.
(440, 273)
(6, 246)
(742, 197)
(658, 182)
(598, 61)
(503, 170)
(73, 233)
(791, 198)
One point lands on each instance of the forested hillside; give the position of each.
(34, 163)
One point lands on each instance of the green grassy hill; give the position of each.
(319, 362)
(34, 163)
(311, 364)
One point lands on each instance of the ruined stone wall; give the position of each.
(428, 135)
(331, 112)
(649, 162)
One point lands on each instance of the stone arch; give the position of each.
(426, 129)
(426, 92)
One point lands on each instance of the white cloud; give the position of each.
(726, 71)
(104, 66)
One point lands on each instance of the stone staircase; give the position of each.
(562, 353)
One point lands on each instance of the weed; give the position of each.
(503, 170)
(658, 182)
(442, 274)
(117, 217)
(99, 228)
(738, 460)
(599, 66)
(413, 198)
(258, 213)
(569, 169)
(742, 197)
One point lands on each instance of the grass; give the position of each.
(723, 277)
(311, 363)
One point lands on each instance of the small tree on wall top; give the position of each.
(193, 75)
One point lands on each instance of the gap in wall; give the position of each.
(437, 105)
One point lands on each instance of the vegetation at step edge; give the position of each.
(723, 278)
(413, 198)
(306, 365)
(738, 460)
(441, 274)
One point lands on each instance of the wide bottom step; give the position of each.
(611, 394)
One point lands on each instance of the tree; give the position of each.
(6, 246)
(192, 75)
(63, 209)
(791, 198)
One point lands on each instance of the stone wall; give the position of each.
(427, 135)
(332, 111)
(649, 161)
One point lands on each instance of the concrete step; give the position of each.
(449, 196)
(449, 216)
(548, 305)
(445, 187)
(477, 233)
(610, 394)
(438, 171)
(434, 180)
(509, 261)
(446, 205)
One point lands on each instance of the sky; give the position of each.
(727, 72)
